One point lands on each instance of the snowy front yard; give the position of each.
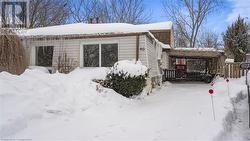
(42, 106)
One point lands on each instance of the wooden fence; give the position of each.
(232, 70)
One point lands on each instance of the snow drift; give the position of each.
(69, 107)
(36, 94)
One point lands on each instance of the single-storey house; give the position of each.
(100, 45)
(103, 44)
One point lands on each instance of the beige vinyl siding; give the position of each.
(152, 58)
(143, 50)
(126, 48)
(165, 60)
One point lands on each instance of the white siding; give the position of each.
(143, 50)
(165, 60)
(152, 56)
(126, 48)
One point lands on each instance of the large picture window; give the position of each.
(44, 56)
(100, 55)
(91, 55)
(109, 54)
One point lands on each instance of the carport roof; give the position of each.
(195, 52)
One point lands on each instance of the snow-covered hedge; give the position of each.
(128, 78)
(130, 68)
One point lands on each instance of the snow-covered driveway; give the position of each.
(179, 111)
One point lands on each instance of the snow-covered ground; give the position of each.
(42, 106)
(240, 126)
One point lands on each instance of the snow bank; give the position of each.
(41, 106)
(37, 95)
(228, 95)
(130, 68)
(42, 69)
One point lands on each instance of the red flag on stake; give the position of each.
(211, 92)
(227, 80)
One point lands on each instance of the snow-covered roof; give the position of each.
(195, 52)
(92, 29)
(166, 46)
(198, 49)
(228, 60)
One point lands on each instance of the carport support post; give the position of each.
(206, 66)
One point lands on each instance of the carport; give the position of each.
(196, 64)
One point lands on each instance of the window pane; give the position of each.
(109, 54)
(44, 56)
(91, 55)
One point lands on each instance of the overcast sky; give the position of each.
(217, 22)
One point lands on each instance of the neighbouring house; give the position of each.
(100, 45)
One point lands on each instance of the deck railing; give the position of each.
(230, 70)
(168, 74)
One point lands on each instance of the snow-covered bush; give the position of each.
(128, 78)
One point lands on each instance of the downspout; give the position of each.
(146, 49)
(137, 47)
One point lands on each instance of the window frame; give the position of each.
(98, 54)
(101, 46)
(100, 50)
(36, 55)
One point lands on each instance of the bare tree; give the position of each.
(128, 11)
(209, 39)
(189, 15)
(180, 39)
(107, 11)
(48, 12)
(83, 10)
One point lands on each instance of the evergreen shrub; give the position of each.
(125, 83)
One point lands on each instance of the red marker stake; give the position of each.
(211, 91)
(228, 88)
